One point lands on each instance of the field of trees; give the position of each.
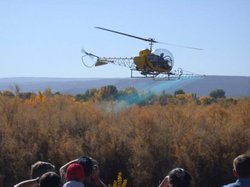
(143, 135)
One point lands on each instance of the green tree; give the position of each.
(218, 93)
(128, 92)
(179, 92)
(108, 92)
(90, 93)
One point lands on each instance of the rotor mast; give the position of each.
(151, 44)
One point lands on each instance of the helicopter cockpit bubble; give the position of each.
(167, 58)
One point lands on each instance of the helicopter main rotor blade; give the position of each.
(129, 35)
(151, 40)
(181, 46)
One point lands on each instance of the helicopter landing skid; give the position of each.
(170, 76)
(143, 75)
(179, 74)
(156, 75)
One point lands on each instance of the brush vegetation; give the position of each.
(144, 141)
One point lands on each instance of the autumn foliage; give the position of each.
(144, 140)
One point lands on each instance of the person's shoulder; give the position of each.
(231, 185)
(73, 184)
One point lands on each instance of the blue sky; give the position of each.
(43, 38)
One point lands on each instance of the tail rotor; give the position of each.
(88, 59)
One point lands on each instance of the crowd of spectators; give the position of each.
(84, 172)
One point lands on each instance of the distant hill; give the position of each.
(234, 86)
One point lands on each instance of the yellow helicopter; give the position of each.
(149, 63)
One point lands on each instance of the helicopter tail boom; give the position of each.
(99, 61)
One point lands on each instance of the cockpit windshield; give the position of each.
(166, 55)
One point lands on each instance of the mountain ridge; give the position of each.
(234, 86)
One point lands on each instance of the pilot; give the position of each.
(161, 60)
(162, 55)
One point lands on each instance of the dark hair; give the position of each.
(87, 165)
(40, 167)
(50, 179)
(242, 165)
(178, 177)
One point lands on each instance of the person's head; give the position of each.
(241, 166)
(75, 172)
(179, 177)
(87, 165)
(50, 179)
(40, 167)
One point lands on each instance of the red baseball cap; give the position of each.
(75, 172)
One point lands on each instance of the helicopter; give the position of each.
(149, 63)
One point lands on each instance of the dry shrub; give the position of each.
(144, 142)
